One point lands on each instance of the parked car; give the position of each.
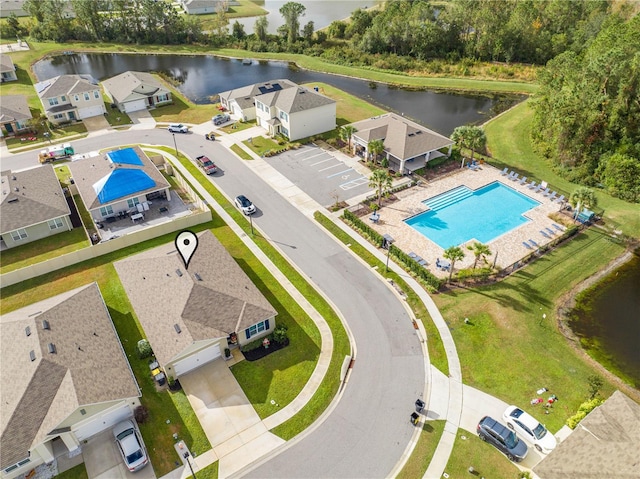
(528, 428)
(130, 445)
(505, 440)
(178, 128)
(206, 164)
(220, 118)
(245, 205)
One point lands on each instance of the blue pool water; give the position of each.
(462, 214)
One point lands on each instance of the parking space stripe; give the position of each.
(322, 161)
(329, 167)
(315, 156)
(353, 184)
(340, 173)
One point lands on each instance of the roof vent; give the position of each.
(45, 324)
(32, 355)
(411, 134)
(13, 200)
(14, 177)
(177, 328)
(27, 330)
(52, 348)
(179, 273)
(419, 132)
(198, 277)
(16, 189)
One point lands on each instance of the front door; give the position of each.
(72, 115)
(8, 127)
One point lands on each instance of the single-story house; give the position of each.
(70, 98)
(191, 315)
(407, 145)
(282, 107)
(200, 7)
(606, 443)
(65, 378)
(15, 115)
(118, 181)
(7, 69)
(33, 206)
(134, 91)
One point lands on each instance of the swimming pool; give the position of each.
(462, 214)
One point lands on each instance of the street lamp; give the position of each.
(388, 241)
(175, 145)
(186, 456)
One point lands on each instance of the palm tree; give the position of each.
(479, 251)
(380, 180)
(346, 132)
(470, 137)
(582, 198)
(375, 147)
(453, 254)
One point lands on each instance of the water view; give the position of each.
(607, 322)
(200, 78)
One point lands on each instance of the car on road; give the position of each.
(178, 128)
(220, 119)
(505, 440)
(245, 205)
(206, 164)
(130, 446)
(528, 428)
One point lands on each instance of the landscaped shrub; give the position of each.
(141, 414)
(280, 334)
(252, 345)
(584, 409)
(144, 349)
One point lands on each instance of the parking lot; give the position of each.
(320, 174)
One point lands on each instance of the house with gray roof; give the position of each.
(33, 206)
(201, 7)
(68, 98)
(14, 115)
(282, 107)
(191, 315)
(408, 146)
(65, 378)
(606, 443)
(134, 91)
(7, 69)
(118, 182)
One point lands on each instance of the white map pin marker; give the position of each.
(186, 244)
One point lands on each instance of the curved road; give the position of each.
(369, 430)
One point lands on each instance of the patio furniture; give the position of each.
(550, 231)
(545, 192)
(163, 209)
(423, 262)
(538, 188)
(137, 216)
(543, 233)
(514, 177)
(412, 255)
(526, 245)
(552, 196)
(531, 185)
(549, 193)
(523, 180)
(504, 172)
(558, 227)
(560, 199)
(110, 219)
(533, 243)
(374, 217)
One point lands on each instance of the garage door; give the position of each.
(196, 360)
(135, 105)
(90, 111)
(102, 422)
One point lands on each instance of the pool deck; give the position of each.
(508, 246)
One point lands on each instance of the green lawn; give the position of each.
(43, 249)
(260, 145)
(349, 108)
(238, 126)
(421, 456)
(485, 459)
(77, 472)
(240, 152)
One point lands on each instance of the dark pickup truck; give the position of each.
(207, 165)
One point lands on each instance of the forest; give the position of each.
(587, 110)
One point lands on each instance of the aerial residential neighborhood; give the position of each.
(240, 240)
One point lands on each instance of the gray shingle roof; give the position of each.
(38, 198)
(130, 86)
(65, 85)
(14, 108)
(244, 95)
(6, 65)
(88, 367)
(224, 301)
(293, 100)
(605, 444)
(90, 171)
(403, 138)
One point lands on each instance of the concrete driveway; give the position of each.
(142, 119)
(103, 460)
(96, 123)
(233, 427)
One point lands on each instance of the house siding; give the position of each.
(36, 232)
(311, 122)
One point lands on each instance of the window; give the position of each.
(19, 235)
(58, 116)
(284, 131)
(106, 211)
(53, 101)
(86, 96)
(96, 94)
(164, 97)
(132, 202)
(284, 116)
(77, 97)
(56, 223)
(257, 328)
(259, 105)
(266, 110)
(63, 98)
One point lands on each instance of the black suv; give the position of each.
(504, 439)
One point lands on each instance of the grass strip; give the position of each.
(240, 152)
(421, 456)
(437, 353)
(486, 460)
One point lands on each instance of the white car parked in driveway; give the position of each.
(529, 429)
(130, 446)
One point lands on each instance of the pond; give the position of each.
(201, 77)
(607, 322)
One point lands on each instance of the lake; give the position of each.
(201, 77)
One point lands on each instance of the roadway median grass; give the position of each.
(486, 460)
(422, 454)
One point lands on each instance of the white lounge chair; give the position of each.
(514, 177)
(531, 185)
(560, 199)
(504, 172)
(523, 180)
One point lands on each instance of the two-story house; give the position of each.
(70, 98)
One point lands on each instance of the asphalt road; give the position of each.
(367, 433)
